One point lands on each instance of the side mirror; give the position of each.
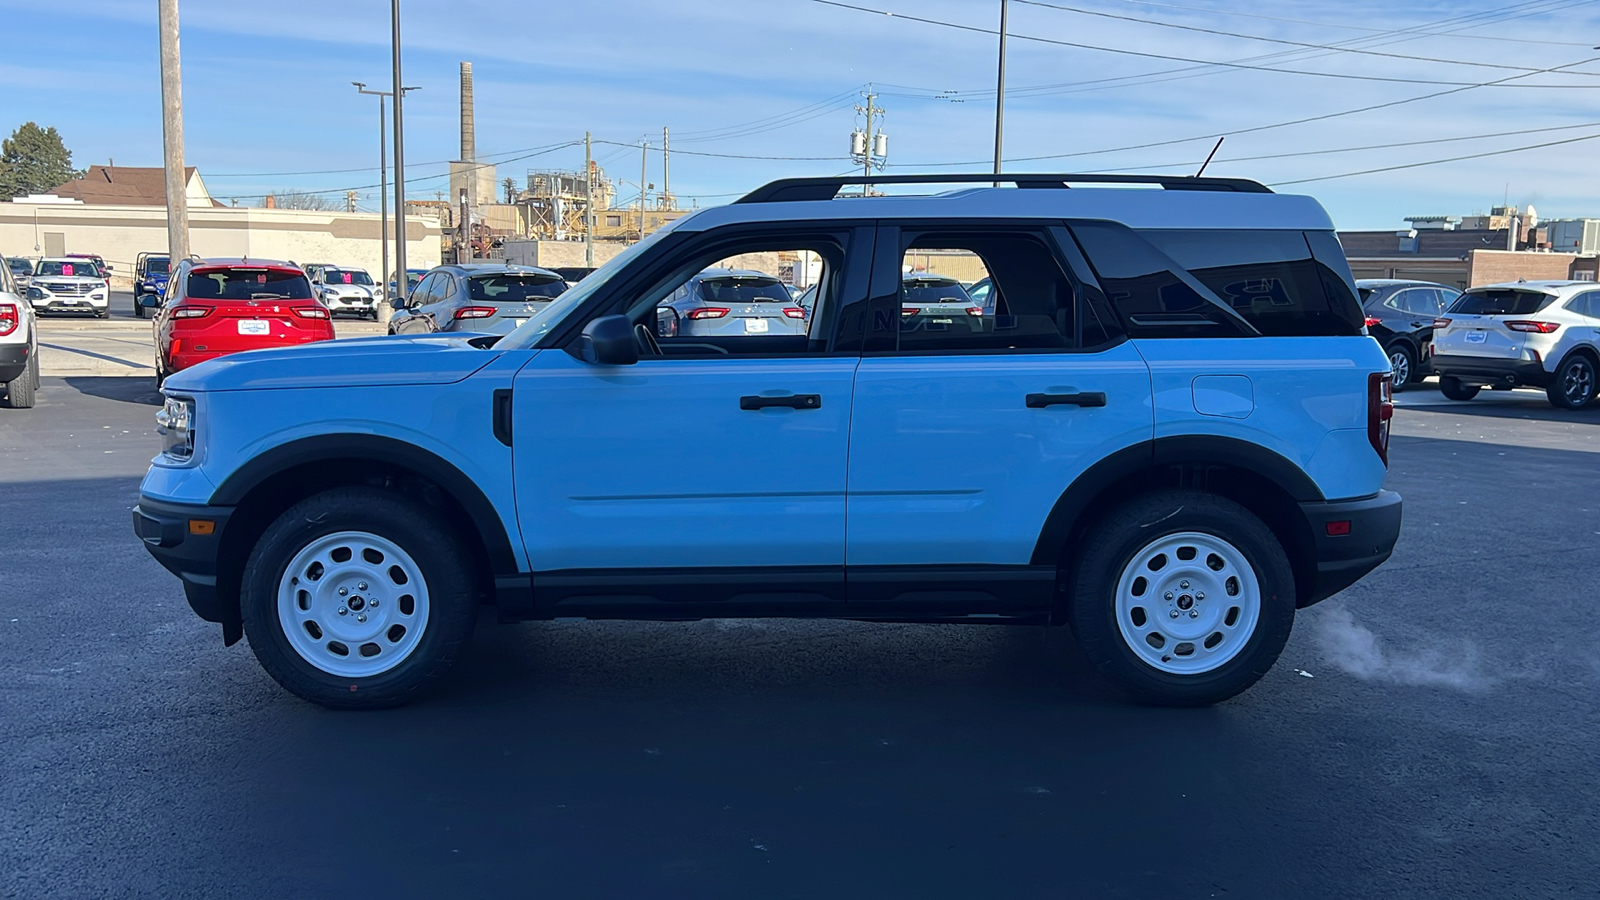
(149, 301)
(666, 322)
(608, 341)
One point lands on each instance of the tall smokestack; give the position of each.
(468, 132)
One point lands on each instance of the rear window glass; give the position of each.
(744, 290)
(248, 284)
(934, 292)
(1501, 303)
(515, 288)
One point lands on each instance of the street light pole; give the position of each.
(1000, 92)
(383, 174)
(398, 92)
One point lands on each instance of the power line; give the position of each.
(1436, 162)
(735, 155)
(1271, 40)
(369, 168)
(1149, 55)
(364, 187)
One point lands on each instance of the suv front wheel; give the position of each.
(1182, 598)
(357, 598)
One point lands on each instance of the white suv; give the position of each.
(1523, 334)
(19, 344)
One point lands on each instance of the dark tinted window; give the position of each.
(924, 291)
(1147, 289)
(1268, 277)
(1503, 302)
(737, 289)
(514, 288)
(248, 284)
(69, 268)
(156, 265)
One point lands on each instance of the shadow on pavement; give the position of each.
(1526, 405)
(124, 388)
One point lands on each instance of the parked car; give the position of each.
(1400, 315)
(413, 278)
(982, 294)
(346, 291)
(935, 296)
(215, 307)
(312, 270)
(1543, 334)
(1174, 437)
(19, 345)
(21, 271)
(69, 284)
(730, 301)
(150, 272)
(105, 270)
(486, 298)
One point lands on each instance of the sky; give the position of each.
(768, 88)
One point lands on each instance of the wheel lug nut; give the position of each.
(362, 586)
(342, 592)
(361, 617)
(1173, 614)
(1184, 585)
(1199, 595)
(1193, 614)
(343, 611)
(1169, 595)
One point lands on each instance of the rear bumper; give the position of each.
(13, 361)
(1486, 370)
(165, 530)
(1342, 559)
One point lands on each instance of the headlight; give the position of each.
(176, 425)
(34, 293)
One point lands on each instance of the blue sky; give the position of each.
(267, 90)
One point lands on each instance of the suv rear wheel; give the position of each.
(1575, 383)
(1454, 389)
(20, 390)
(357, 598)
(1403, 363)
(1182, 598)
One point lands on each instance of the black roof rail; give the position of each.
(791, 189)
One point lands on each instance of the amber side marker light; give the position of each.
(202, 526)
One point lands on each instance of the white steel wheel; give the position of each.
(1187, 603)
(353, 604)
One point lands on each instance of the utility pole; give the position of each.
(1000, 93)
(464, 244)
(666, 165)
(644, 161)
(870, 148)
(349, 201)
(172, 135)
(588, 200)
(400, 284)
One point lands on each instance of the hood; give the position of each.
(351, 362)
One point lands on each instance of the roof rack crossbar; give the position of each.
(794, 189)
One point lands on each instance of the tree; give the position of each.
(34, 160)
(300, 200)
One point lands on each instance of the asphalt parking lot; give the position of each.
(1428, 733)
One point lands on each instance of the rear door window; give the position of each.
(1502, 302)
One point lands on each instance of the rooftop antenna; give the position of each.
(1213, 153)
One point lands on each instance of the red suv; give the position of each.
(219, 306)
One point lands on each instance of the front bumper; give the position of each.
(1487, 370)
(1345, 554)
(169, 532)
(54, 303)
(13, 361)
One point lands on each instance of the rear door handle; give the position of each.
(792, 401)
(1088, 399)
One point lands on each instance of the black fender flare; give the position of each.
(389, 450)
(1195, 450)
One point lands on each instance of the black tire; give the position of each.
(1454, 389)
(103, 314)
(445, 571)
(1111, 547)
(138, 311)
(1403, 364)
(20, 390)
(1575, 384)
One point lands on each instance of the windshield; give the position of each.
(345, 276)
(744, 289)
(249, 284)
(68, 268)
(934, 292)
(20, 266)
(540, 323)
(156, 265)
(1501, 303)
(515, 288)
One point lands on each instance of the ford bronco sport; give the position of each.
(1168, 431)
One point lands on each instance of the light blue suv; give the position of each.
(1170, 433)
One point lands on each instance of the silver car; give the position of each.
(726, 302)
(488, 298)
(938, 296)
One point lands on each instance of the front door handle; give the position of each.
(792, 401)
(1087, 399)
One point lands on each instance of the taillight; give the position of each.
(1373, 320)
(1380, 412)
(191, 312)
(795, 312)
(9, 318)
(1441, 323)
(1534, 327)
(708, 312)
(475, 312)
(974, 310)
(311, 312)
(909, 310)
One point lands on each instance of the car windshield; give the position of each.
(744, 289)
(248, 284)
(515, 287)
(345, 276)
(156, 265)
(1505, 302)
(68, 268)
(934, 292)
(20, 266)
(539, 324)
